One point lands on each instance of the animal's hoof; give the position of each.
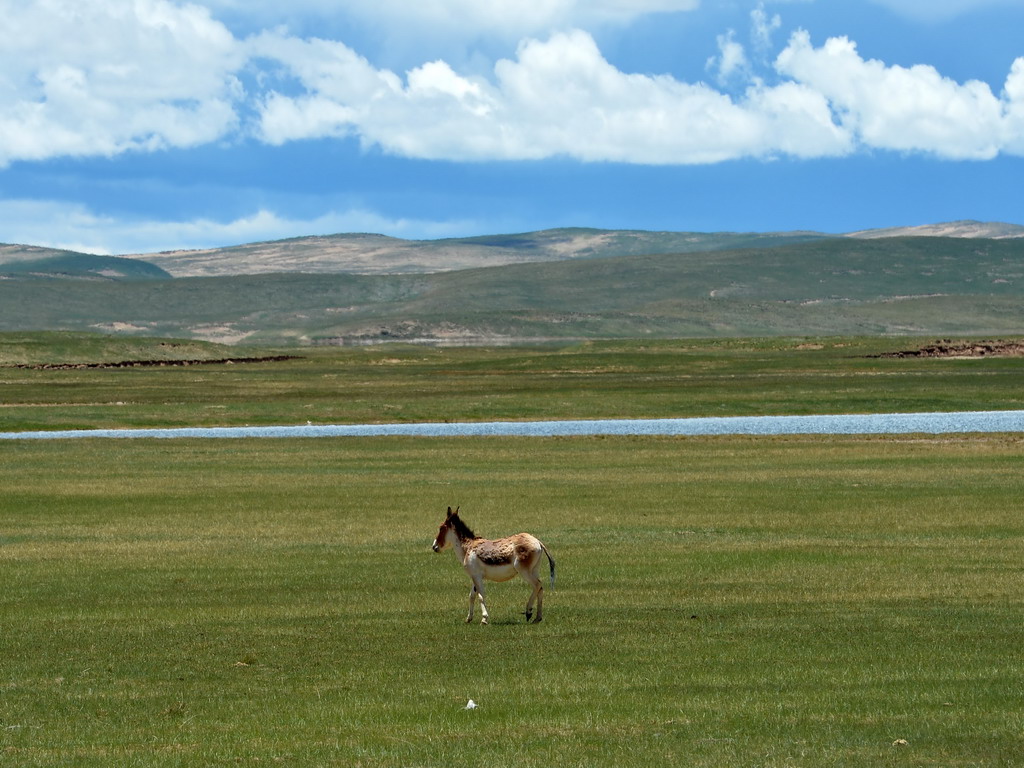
(536, 621)
(529, 616)
(484, 621)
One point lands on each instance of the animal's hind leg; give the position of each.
(540, 602)
(537, 595)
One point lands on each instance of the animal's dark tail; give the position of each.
(551, 563)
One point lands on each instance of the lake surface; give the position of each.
(866, 424)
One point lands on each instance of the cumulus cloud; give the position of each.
(898, 108)
(1013, 98)
(101, 77)
(561, 97)
(558, 97)
(731, 61)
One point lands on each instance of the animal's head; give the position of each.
(442, 534)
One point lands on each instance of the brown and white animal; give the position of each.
(495, 560)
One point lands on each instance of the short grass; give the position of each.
(401, 383)
(720, 601)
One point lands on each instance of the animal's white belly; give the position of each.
(499, 572)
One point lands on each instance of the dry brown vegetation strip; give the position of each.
(949, 348)
(151, 363)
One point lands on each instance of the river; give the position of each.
(866, 424)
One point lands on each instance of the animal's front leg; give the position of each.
(478, 588)
(472, 603)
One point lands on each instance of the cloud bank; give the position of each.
(76, 227)
(104, 77)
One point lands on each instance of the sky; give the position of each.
(135, 126)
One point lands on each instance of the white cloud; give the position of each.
(51, 224)
(102, 77)
(731, 61)
(763, 27)
(339, 88)
(1013, 97)
(99, 77)
(797, 121)
(263, 225)
(558, 97)
(912, 109)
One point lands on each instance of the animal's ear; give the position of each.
(450, 513)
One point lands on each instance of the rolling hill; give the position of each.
(49, 263)
(807, 285)
(971, 229)
(368, 254)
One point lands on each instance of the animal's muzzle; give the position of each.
(436, 548)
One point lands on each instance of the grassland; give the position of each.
(770, 602)
(395, 383)
(800, 601)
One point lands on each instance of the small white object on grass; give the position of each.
(471, 704)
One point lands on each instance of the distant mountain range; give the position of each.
(369, 254)
(555, 284)
(364, 254)
(967, 228)
(376, 254)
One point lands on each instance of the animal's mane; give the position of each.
(462, 530)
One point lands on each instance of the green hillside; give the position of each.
(839, 286)
(25, 262)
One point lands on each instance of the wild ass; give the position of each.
(495, 560)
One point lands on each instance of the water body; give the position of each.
(868, 424)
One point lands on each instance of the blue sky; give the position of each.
(130, 126)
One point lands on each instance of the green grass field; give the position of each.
(720, 602)
(396, 383)
(798, 601)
